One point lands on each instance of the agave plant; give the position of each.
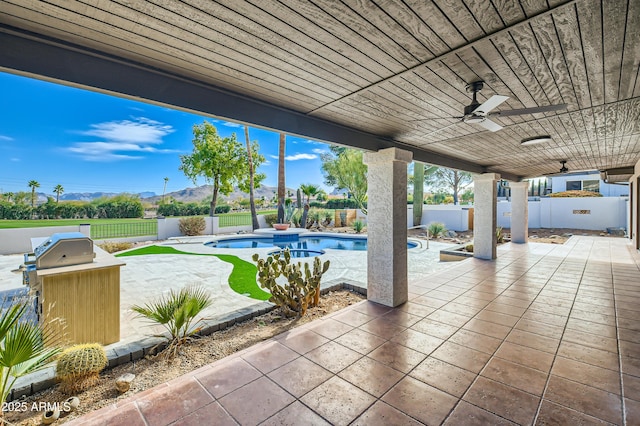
(22, 347)
(177, 312)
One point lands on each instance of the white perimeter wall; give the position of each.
(169, 227)
(580, 213)
(455, 218)
(16, 241)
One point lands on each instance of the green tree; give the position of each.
(449, 180)
(58, 190)
(347, 171)
(33, 184)
(9, 196)
(281, 182)
(221, 161)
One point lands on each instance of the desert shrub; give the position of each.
(302, 289)
(225, 208)
(177, 312)
(271, 219)
(469, 248)
(436, 229)
(499, 235)
(193, 225)
(358, 226)
(576, 194)
(22, 345)
(79, 367)
(336, 204)
(114, 246)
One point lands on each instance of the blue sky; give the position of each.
(90, 142)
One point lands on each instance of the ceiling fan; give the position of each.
(477, 113)
(562, 170)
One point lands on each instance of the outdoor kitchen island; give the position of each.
(84, 292)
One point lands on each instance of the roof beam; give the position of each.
(36, 56)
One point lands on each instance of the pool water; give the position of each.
(315, 243)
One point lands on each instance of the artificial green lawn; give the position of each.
(242, 279)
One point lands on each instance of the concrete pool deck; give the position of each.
(145, 277)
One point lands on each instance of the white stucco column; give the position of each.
(387, 226)
(484, 221)
(519, 212)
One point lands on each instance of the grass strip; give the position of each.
(243, 275)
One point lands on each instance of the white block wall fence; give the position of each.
(593, 213)
(578, 213)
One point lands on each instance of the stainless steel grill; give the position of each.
(61, 249)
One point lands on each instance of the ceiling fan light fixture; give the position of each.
(536, 140)
(474, 119)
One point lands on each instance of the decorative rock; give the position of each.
(49, 417)
(123, 383)
(70, 404)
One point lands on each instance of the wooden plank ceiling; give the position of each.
(393, 68)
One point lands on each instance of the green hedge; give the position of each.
(189, 209)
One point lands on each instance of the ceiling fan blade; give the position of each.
(490, 125)
(490, 104)
(534, 110)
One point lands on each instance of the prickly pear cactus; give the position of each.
(302, 289)
(79, 366)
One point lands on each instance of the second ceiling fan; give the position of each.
(479, 113)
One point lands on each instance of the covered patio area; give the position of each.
(545, 334)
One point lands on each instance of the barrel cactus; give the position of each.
(79, 367)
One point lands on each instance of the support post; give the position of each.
(519, 212)
(387, 226)
(485, 188)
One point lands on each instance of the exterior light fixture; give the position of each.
(536, 140)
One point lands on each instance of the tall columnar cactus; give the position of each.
(79, 366)
(302, 289)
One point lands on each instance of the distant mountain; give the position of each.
(197, 194)
(187, 195)
(86, 196)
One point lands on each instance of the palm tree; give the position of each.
(164, 189)
(33, 184)
(252, 203)
(58, 190)
(309, 190)
(418, 192)
(9, 195)
(281, 188)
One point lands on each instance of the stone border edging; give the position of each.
(133, 351)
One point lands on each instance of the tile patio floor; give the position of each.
(546, 334)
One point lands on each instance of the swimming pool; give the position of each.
(313, 243)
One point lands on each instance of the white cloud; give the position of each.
(297, 157)
(122, 140)
(227, 124)
(319, 151)
(303, 156)
(6, 138)
(137, 130)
